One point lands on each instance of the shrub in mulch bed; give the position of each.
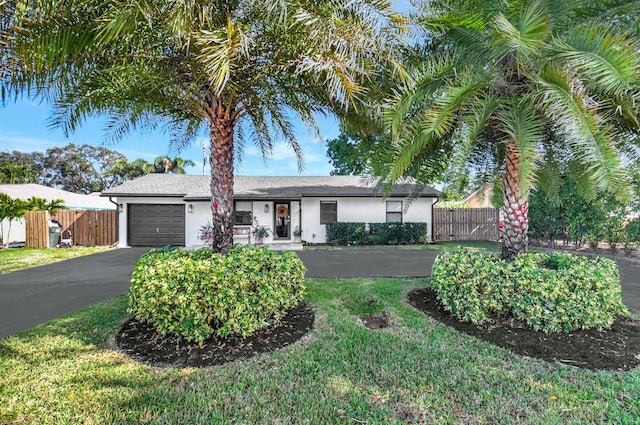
(617, 348)
(144, 343)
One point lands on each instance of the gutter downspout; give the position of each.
(118, 220)
(436, 201)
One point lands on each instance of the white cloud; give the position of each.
(19, 142)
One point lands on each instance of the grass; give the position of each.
(22, 258)
(415, 372)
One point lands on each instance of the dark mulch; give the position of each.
(145, 344)
(617, 348)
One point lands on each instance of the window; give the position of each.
(328, 212)
(243, 213)
(394, 211)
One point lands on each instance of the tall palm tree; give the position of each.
(514, 80)
(239, 70)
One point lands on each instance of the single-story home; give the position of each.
(169, 209)
(73, 201)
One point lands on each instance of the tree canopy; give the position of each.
(239, 71)
(81, 168)
(507, 82)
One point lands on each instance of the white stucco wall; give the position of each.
(305, 214)
(368, 210)
(17, 233)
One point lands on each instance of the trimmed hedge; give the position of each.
(348, 233)
(194, 294)
(550, 292)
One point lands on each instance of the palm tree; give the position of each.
(239, 70)
(163, 164)
(16, 174)
(40, 204)
(512, 81)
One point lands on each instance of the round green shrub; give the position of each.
(550, 292)
(194, 294)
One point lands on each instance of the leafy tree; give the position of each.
(12, 174)
(239, 70)
(355, 154)
(509, 80)
(78, 168)
(31, 161)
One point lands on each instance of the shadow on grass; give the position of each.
(61, 371)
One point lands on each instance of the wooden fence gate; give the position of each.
(466, 224)
(87, 227)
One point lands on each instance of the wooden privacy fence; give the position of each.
(87, 227)
(466, 224)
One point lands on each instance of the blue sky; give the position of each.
(23, 127)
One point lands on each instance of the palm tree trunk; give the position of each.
(221, 161)
(515, 237)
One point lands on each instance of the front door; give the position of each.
(283, 219)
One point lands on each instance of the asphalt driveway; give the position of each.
(368, 263)
(36, 295)
(417, 263)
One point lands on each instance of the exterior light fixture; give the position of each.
(120, 208)
(266, 208)
(190, 208)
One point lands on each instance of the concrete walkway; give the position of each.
(36, 295)
(33, 296)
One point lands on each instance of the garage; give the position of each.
(156, 225)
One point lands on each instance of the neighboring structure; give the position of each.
(481, 198)
(165, 209)
(72, 201)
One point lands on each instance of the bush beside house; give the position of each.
(345, 233)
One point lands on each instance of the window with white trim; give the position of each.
(243, 213)
(328, 212)
(394, 211)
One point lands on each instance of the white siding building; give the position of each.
(169, 209)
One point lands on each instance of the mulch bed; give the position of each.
(617, 348)
(144, 343)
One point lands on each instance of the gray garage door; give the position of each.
(156, 225)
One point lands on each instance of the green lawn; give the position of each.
(416, 372)
(22, 258)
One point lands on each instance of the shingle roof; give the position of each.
(259, 187)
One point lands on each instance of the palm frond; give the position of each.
(421, 84)
(575, 115)
(610, 60)
(438, 121)
(524, 38)
(220, 49)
